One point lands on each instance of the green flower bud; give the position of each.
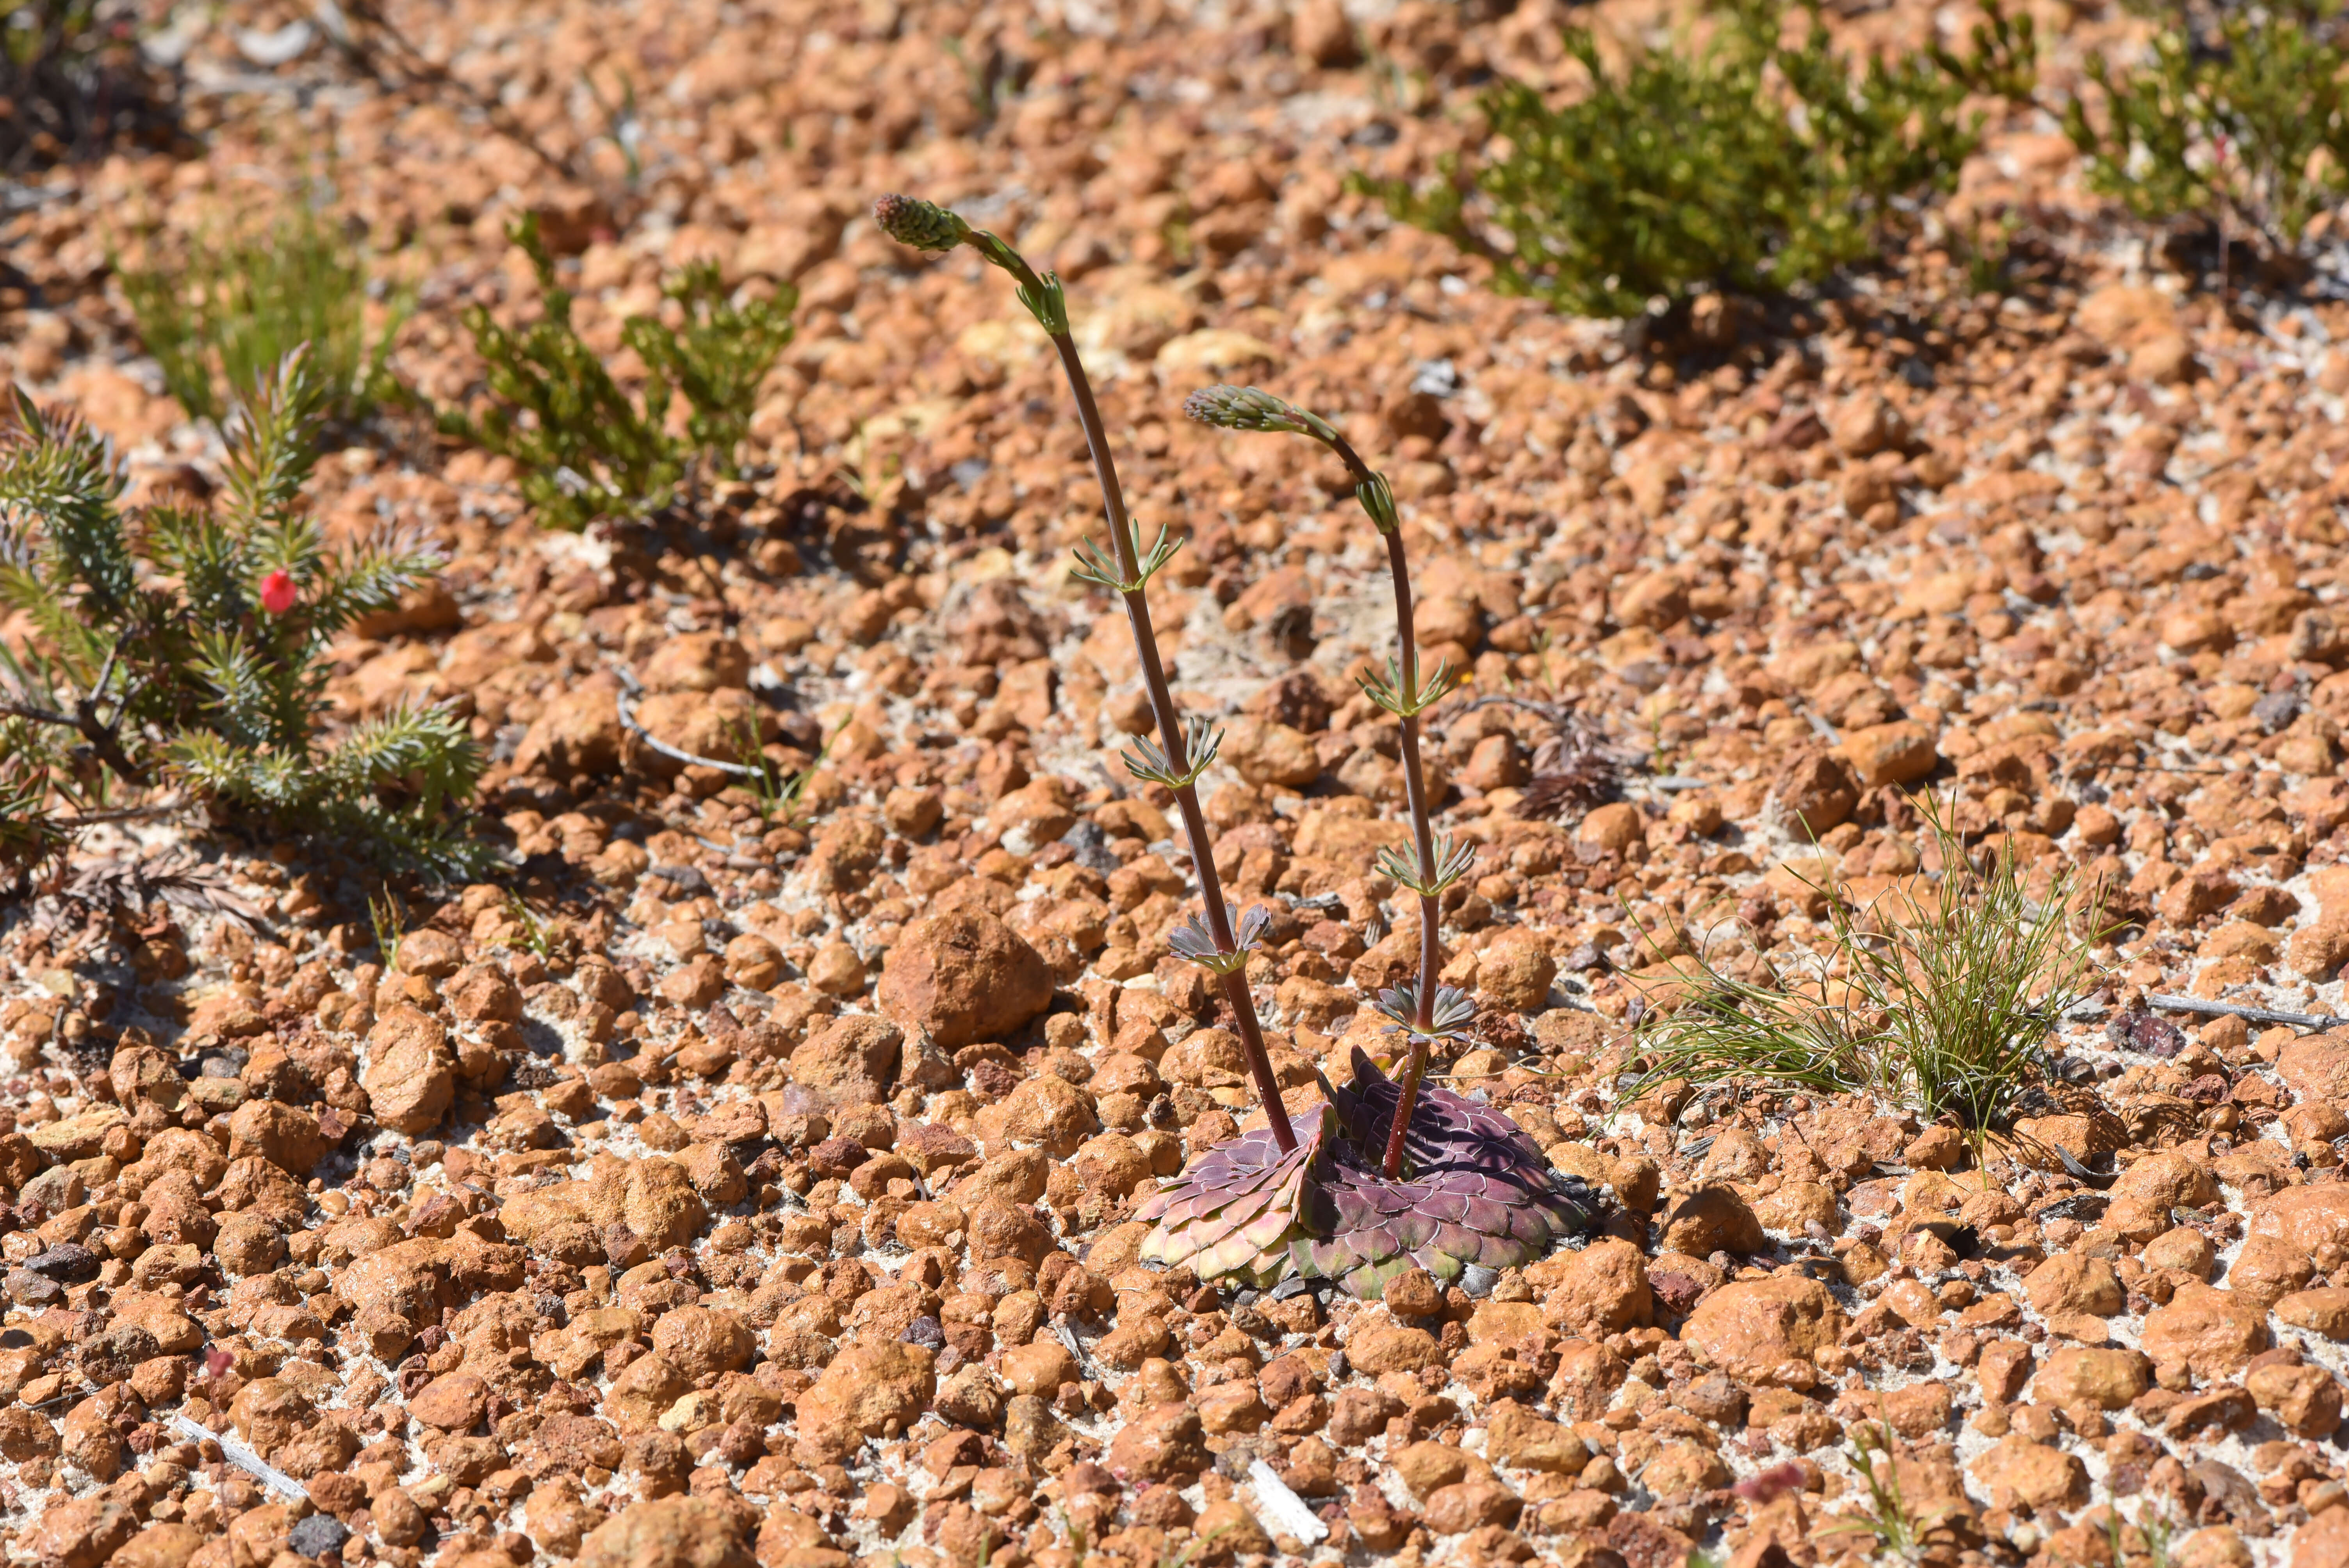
(925, 225)
(1243, 409)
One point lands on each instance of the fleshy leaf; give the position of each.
(1479, 1195)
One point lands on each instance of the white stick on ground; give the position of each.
(1289, 1516)
(236, 1453)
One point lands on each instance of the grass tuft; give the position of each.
(230, 311)
(1942, 1001)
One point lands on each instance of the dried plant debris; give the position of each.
(175, 878)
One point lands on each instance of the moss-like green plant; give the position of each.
(190, 648)
(2249, 126)
(585, 448)
(1750, 164)
(229, 311)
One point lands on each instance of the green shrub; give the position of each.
(1750, 165)
(188, 649)
(2249, 126)
(585, 447)
(239, 302)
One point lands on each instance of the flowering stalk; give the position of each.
(1220, 939)
(1423, 1012)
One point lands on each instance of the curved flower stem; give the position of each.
(1415, 785)
(1400, 693)
(1170, 736)
(926, 226)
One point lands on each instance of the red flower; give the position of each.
(1771, 1484)
(278, 593)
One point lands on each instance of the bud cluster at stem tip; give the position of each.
(925, 225)
(1244, 408)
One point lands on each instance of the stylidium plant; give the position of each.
(1423, 1012)
(1305, 1196)
(1219, 939)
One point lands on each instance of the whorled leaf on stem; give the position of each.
(1377, 497)
(1148, 760)
(1450, 1017)
(1389, 691)
(1192, 940)
(1095, 564)
(1047, 303)
(1452, 861)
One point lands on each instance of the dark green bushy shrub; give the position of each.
(1753, 165)
(2249, 124)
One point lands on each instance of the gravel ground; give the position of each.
(720, 1186)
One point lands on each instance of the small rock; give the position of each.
(2071, 1283)
(1392, 1347)
(1817, 790)
(2144, 1034)
(963, 977)
(410, 1078)
(318, 1534)
(668, 1533)
(1413, 1294)
(2215, 1332)
(1765, 1331)
(1712, 1218)
(879, 1388)
(1899, 753)
(2018, 1470)
(1165, 1442)
(2076, 1377)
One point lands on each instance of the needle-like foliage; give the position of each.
(30, 837)
(1941, 999)
(188, 645)
(585, 448)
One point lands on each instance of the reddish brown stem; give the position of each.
(1169, 737)
(1424, 840)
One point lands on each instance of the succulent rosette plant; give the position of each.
(1383, 1175)
(1479, 1197)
